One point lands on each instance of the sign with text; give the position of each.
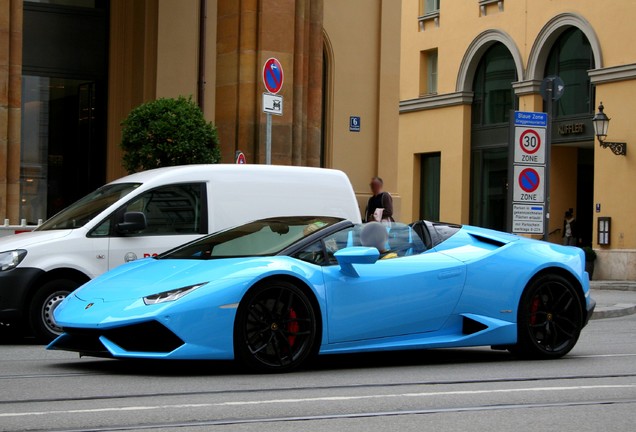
(532, 119)
(527, 218)
(528, 186)
(529, 146)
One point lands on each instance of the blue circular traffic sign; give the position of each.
(273, 75)
(529, 180)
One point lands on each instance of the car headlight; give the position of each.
(11, 259)
(172, 295)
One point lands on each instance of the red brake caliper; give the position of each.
(292, 327)
(534, 308)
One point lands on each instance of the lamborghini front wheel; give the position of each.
(275, 328)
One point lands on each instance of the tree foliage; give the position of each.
(168, 132)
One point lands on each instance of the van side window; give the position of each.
(169, 210)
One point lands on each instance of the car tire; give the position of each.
(43, 304)
(276, 328)
(550, 318)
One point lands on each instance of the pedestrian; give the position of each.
(380, 205)
(570, 233)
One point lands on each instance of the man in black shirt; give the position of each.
(379, 200)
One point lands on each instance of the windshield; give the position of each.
(83, 211)
(265, 237)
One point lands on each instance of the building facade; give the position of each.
(419, 92)
(465, 66)
(71, 71)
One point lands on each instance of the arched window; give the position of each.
(493, 94)
(570, 58)
(493, 100)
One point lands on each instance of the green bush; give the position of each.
(168, 132)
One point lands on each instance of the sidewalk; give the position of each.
(613, 298)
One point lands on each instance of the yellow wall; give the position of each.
(365, 68)
(445, 130)
(615, 176)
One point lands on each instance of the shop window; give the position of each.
(493, 94)
(430, 186)
(570, 58)
(428, 72)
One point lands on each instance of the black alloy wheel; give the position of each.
(550, 319)
(275, 328)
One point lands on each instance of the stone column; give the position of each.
(10, 107)
(249, 32)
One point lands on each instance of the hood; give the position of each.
(150, 276)
(26, 239)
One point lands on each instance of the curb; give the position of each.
(614, 311)
(613, 285)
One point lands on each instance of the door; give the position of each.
(393, 297)
(175, 214)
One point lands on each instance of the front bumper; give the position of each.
(15, 286)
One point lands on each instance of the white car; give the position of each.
(147, 213)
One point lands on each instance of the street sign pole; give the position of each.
(548, 157)
(268, 140)
(273, 78)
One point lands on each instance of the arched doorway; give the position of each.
(571, 57)
(493, 100)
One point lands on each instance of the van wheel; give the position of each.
(44, 303)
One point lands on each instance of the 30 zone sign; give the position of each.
(530, 148)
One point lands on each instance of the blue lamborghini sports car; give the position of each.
(274, 292)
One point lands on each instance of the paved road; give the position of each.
(592, 389)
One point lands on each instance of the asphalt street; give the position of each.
(591, 389)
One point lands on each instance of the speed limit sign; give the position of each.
(530, 145)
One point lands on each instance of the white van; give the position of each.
(144, 214)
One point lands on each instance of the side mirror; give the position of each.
(133, 222)
(355, 255)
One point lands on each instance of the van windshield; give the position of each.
(83, 211)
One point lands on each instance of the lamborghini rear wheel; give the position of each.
(550, 319)
(275, 328)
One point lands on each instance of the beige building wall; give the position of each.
(362, 43)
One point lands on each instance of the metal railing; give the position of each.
(7, 229)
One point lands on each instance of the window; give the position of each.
(430, 6)
(428, 72)
(570, 58)
(489, 178)
(170, 210)
(430, 186)
(429, 11)
(493, 93)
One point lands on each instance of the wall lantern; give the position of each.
(601, 125)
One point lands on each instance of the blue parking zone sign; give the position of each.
(354, 124)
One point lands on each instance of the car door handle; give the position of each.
(449, 274)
